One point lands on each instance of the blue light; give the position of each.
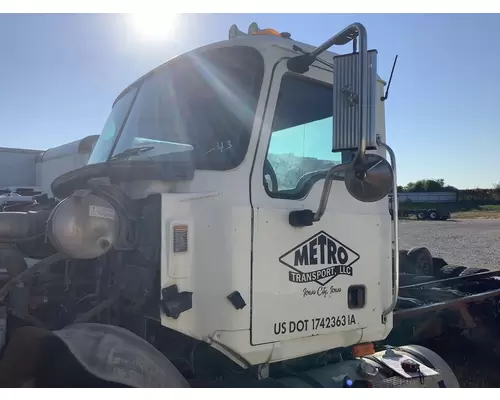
(348, 382)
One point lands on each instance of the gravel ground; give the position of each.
(467, 242)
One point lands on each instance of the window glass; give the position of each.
(206, 100)
(111, 128)
(300, 148)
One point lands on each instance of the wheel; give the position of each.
(433, 215)
(402, 260)
(451, 271)
(420, 215)
(433, 360)
(419, 261)
(402, 254)
(473, 270)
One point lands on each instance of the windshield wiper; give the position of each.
(131, 152)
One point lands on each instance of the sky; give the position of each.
(60, 74)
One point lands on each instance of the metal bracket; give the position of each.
(395, 232)
(174, 302)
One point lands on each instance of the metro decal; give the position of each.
(319, 259)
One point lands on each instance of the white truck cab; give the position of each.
(231, 228)
(261, 138)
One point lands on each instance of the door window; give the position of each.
(300, 147)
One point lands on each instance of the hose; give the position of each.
(12, 260)
(4, 291)
(97, 309)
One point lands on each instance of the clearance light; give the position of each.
(253, 29)
(269, 31)
(363, 349)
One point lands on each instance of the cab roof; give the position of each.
(281, 47)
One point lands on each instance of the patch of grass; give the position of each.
(490, 207)
(491, 211)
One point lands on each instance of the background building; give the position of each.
(38, 168)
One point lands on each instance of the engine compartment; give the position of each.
(120, 280)
(117, 284)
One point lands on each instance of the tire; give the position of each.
(411, 279)
(472, 271)
(451, 271)
(433, 215)
(402, 260)
(419, 261)
(438, 263)
(427, 356)
(420, 215)
(403, 254)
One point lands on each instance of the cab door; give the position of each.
(317, 279)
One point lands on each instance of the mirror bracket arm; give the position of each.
(301, 218)
(300, 64)
(395, 232)
(325, 193)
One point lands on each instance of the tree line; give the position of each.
(439, 185)
(427, 185)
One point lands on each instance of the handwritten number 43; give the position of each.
(221, 147)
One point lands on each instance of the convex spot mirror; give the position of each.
(369, 180)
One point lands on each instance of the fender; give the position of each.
(108, 353)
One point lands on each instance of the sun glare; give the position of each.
(154, 26)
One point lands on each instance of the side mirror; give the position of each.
(354, 101)
(369, 180)
(368, 177)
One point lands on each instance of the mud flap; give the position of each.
(85, 355)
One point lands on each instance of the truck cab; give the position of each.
(232, 222)
(260, 139)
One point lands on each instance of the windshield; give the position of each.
(111, 128)
(204, 103)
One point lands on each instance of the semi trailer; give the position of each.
(231, 229)
(432, 214)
